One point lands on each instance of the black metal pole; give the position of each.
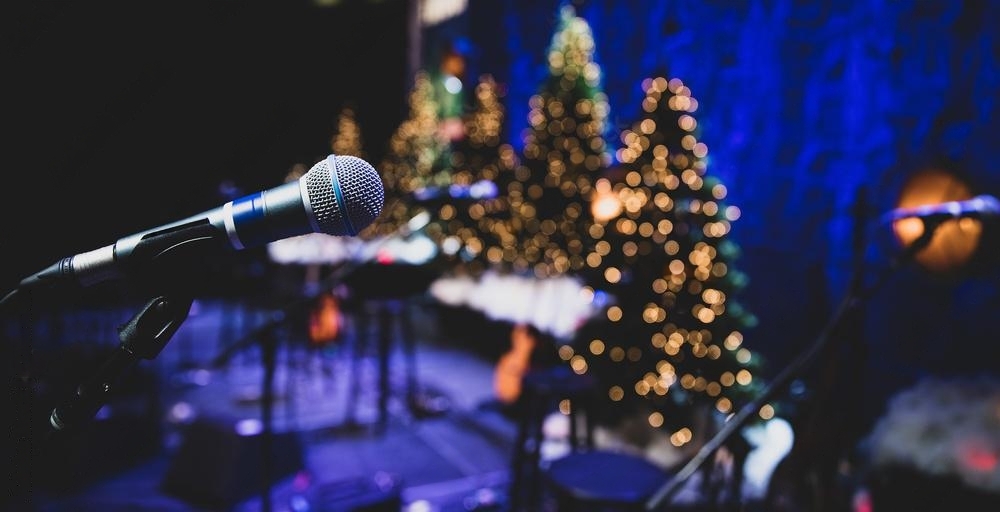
(269, 347)
(779, 383)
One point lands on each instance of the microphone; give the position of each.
(980, 207)
(340, 195)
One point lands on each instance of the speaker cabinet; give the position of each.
(217, 466)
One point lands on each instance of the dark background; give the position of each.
(121, 116)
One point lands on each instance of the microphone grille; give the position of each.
(345, 194)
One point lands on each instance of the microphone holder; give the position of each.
(143, 337)
(854, 297)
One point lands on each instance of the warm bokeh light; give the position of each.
(605, 204)
(955, 240)
(766, 412)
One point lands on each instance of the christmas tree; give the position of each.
(347, 139)
(470, 215)
(534, 237)
(546, 232)
(564, 152)
(417, 159)
(671, 338)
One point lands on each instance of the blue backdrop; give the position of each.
(807, 107)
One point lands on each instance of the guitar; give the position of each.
(512, 365)
(325, 320)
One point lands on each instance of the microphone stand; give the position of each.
(785, 377)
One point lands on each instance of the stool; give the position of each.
(603, 481)
(393, 321)
(542, 390)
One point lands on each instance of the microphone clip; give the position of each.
(143, 337)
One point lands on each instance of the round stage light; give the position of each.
(955, 240)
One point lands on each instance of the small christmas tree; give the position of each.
(417, 158)
(347, 139)
(470, 215)
(671, 338)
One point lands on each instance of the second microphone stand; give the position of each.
(851, 301)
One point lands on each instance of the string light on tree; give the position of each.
(671, 343)
(472, 215)
(417, 158)
(347, 140)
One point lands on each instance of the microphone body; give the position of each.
(979, 207)
(340, 195)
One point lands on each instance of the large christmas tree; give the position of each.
(670, 342)
(534, 236)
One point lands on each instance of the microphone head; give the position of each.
(345, 194)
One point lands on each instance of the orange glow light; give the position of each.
(955, 241)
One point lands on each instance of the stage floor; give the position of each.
(429, 434)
